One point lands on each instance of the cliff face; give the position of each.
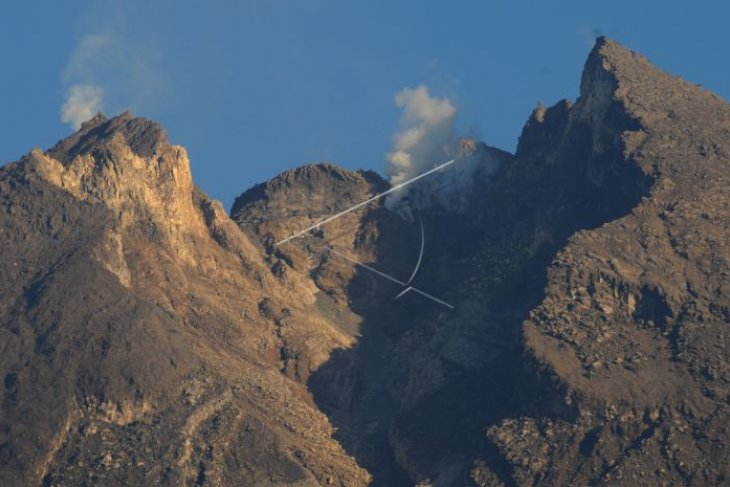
(149, 338)
(137, 341)
(634, 319)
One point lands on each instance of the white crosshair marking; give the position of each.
(391, 278)
(408, 288)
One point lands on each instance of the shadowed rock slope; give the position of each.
(587, 344)
(633, 325)
(149, 338)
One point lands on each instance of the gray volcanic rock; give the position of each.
(588, 336)
(634, 319)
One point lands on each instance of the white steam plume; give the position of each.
(82, 103)
(84, 97)
(425, 137)
(108, 69)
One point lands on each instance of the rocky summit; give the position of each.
(567, 322)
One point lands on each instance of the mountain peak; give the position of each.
(127, 164)
(144, 137)
(646, 92)
(94, 121)
(612, 54)
(294, 191)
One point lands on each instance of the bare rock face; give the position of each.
(581, 349)
(633, 322)
(149, 338)
(135, 346)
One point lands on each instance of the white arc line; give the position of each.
(371, 269)
(370, 200)
(420, 253)
(393, 279)
(426, 295)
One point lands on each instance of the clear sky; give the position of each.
(253, 87)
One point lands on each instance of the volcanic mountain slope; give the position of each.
(588, 274)
(136, 341)
(634, 322)
(148, 338)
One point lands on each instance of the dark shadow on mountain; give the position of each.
(555, 186)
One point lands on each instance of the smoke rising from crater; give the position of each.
(107, 70)
(82, 103)
(425, 136)
(84, 97)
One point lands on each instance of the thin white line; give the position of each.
(372, 269)
(422, 293)
(370, 200)
(393, 279)
(403, 292)
(420, 253)
(431, 297)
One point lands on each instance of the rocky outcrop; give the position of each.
(632, 321)
(561, 363)
(134, 346)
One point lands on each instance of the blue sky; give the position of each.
(252, 88)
